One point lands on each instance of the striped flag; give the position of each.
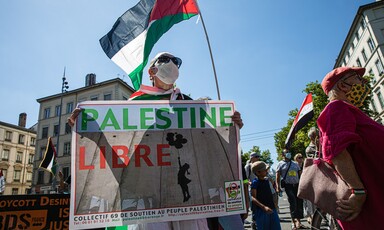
(2, 181)
(49, 162)
(134, 34)
(302, 118)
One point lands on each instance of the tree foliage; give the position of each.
(265, 155)
(301, 140)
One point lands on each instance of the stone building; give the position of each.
(52, 122)
(17, 152)
(364, 47)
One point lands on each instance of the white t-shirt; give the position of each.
(293, 171)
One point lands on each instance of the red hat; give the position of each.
(335, 75)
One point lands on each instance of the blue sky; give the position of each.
(265, 53)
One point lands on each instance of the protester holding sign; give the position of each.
(163, 72)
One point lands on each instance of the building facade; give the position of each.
(17, 152)
(52, 122)
(364, 47)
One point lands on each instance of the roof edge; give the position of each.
(39, 100)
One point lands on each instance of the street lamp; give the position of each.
(64, 87)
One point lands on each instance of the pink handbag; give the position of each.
(322, 185)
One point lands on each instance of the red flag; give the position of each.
(302, 118)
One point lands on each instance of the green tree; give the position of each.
(265, 155)
(245, 156)
(320, 100)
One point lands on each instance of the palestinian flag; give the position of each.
(49, 162)
(2, 181)
(134, 34)
(302, 118)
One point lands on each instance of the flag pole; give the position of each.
(210, 51)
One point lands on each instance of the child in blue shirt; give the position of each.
(263, 208)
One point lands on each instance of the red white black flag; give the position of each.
(49, 162)
(135, 33)
(302, 118)
(2, 181)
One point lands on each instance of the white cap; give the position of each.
(158, 55)
(166, 72)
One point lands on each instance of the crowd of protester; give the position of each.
(264, 199)
(349, 139)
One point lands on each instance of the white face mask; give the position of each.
(167, 72)
(288, 155)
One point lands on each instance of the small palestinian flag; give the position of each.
(49, 162)
(2, 181)
(135, 33)
(302, 118)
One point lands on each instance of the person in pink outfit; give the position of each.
(354, 143)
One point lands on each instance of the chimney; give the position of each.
(90, 79)
(22, 119)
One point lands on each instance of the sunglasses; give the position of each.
(165, 59)
(299, 158)
(363, 80)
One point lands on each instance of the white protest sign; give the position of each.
(152, 161)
